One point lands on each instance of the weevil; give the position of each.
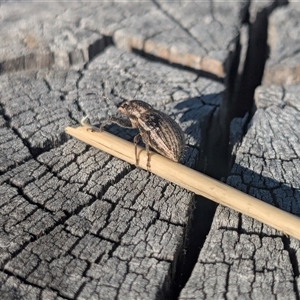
(156, 129)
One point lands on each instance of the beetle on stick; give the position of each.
(156, 129)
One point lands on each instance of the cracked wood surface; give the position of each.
(80, 30)
(76, 222)
(79, 224)
(283, 67)
(242, 258)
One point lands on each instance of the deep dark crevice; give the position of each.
(108, 40)
(95, 49)
(197, 230)
(237, 102)
(254, 65)
(99, 46)
(215, 157)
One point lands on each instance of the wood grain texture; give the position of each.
(282, 67)
(76, 222)
(242, 257)
(80, 32)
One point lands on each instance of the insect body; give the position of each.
(156, 129)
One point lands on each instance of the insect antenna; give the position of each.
(106, 95)
(138, 89)
(140, 86)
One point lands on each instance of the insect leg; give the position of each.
(120, 121)
(146, 140)
(136, 139)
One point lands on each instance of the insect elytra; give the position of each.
(156, 129)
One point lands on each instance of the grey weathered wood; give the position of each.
(213, 28)
(253, 55)
(196, 35)
(283, 66)
(13, 288)
(76, 222)
(36, 37)
(13, 151)
(242, 258)
(206, 42)
(36, 113)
